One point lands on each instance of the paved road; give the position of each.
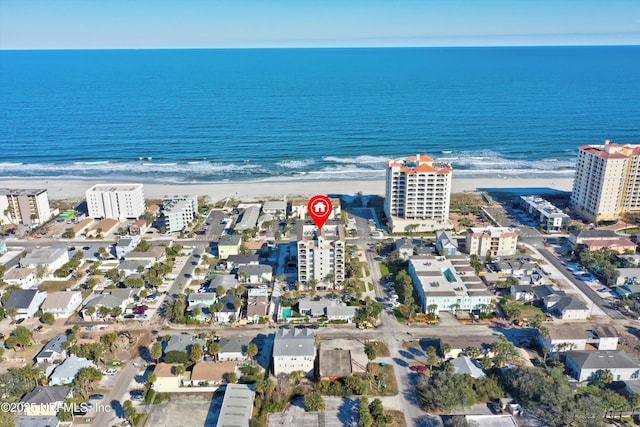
(117, 395)
(586, 289)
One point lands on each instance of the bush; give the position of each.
(176, 356)
(151, 394)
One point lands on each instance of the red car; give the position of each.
(419, 368)
(139, 309)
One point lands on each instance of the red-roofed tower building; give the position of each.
(607, 181)
(417, 194)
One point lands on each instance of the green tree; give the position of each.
(432, 357)
(195, 354)
(213, 348)
(130, 413)
(252, 350)
(366, 420)
(156, 350)
(176, 356)
(109, 340)
(85, 381)
(370, 350)
(12, 312)
(443, 391)
(232, 378)
(314, 402)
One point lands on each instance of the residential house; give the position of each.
(138, 227)
(22, 277)
(583, 365)
(126, 245)
(167, 377)
(334, 364)
(211, 373)
(257, 303)
(404, 247)
(183, 343)
(467, 366)
(26, 301)
(48, 259)
(237, 406)
(133, 266)
(446, 244)
(249, 218)
(53, 351)
(515, 266)
(227, 281)
(202, 301)
(566, 307)
(276, 208)
(44, 421)
(569, 336)
(233, 349)
(66, 372)
(110, 298)
(626, 276)
(235, 261)
(255, 273)
(341, 312)
(62, 304)
(619, 245)
(154, 254)
(229, 312)
(627, 290)
(229, 244)
(522, 292)
(103, 227)
(294, 350)
(45, 401)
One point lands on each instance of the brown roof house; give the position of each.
(211, 373)
(257, 303)
(167, 377)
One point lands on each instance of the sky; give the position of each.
(140, 24)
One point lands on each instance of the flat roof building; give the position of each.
(24, 206)
(321, 254)
(178, 211)
(237, 406)
(496, 241)
(116, 201)
(549, 218)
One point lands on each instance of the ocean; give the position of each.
(213, 115)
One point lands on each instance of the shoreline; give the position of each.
(251, 190)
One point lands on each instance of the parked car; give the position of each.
(96, 396)
(137, 394)
(419, 368)
(110, 371)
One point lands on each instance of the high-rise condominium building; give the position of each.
(24, 206)
(417, 193)
(321, 254)
(178, 211)
(117, 201)
(607, 181)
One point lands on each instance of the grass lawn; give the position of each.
(54, 285)
(398, 418)
(384, 270)
(399, 315)
(529, 311)
(391, 385)
(381, 349)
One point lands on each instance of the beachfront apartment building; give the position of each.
(495, 241)
(20, 206)
(178, 210)
(548, 216)
(417, 194)
(607, 181)
(116, 201)
(321, 254)
(448, 284)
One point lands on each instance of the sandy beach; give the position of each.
(75, 189)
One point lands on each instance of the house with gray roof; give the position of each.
(26, 301)
(50, 259)
(183, 342)
(237, 406)
(126, 245)
(227, 281)
(229, 244)
(229, 312)
(583, 364)
(516, 265)
(45, 421)
(467, 366)
(111, 298)
(277, 208)
(242, 259)
(628, 276)
(404, 247)
(133, 266)
(446, 243)
(577, 237)
(294, 350)
(66, 372)
(566, 307)
(255, 273)
(45, 401)
(341, 311)
(233, 349)
(53, 351)
(249, 218)
(257, 303)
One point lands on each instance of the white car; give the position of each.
(110, 371)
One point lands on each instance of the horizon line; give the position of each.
(324, 47)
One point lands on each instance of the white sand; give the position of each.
(75, 189)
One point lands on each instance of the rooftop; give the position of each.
(21, 298)
(115, 187)
(335, 363)
(21, 191)
(166, 370)
(46, 395)
(296, 342)
(237, 406)
(43, 256)
(603, 359)
(212, 371)
(59, 299)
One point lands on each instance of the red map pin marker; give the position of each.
(319, 208)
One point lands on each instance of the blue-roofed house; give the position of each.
(53, 351)
(67, 371)
(446, 244)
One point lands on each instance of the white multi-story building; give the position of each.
(448, 284)
(548, 216)
(497, 241)
(294, 350)
(417, 193)
(178, 211)
(607, 181)
(24, 206)
(321, 254)
(116, 201)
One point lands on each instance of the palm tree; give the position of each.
(252, 350)
(213, 348)
(12, 312)
(91, 310)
